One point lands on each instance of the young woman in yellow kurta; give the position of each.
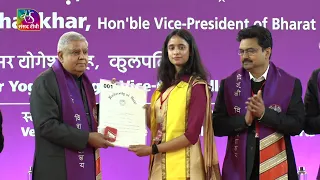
(178, 109)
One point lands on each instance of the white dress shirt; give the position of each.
(261, 78)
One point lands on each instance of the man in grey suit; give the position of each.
(64, 114)
(1, 135)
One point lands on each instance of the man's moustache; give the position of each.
(246, 60)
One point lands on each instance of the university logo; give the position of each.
(28, 20)
(122, 102)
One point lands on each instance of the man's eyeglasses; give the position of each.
(249, 52)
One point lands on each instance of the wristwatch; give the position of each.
(155, 149)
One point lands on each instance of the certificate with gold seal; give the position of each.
(121, 113)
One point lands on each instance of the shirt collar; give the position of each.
(261, 78)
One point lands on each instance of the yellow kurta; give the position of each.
(186, 163)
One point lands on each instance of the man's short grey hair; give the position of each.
(67, 37)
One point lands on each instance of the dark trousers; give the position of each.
(256, 164)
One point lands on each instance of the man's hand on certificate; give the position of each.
(141, 150)
(98, 140)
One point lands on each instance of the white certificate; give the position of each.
(121, 107)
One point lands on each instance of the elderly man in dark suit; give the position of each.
(64, 114)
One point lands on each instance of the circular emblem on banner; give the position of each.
(122, 102)
(275, 107)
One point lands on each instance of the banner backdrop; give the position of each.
(125, 39)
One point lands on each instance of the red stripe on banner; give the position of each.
(98, 167)
(272, 150)
(275, 172)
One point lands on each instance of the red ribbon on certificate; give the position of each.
(111, 133)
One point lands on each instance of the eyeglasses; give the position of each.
(249, 52)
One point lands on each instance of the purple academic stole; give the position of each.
(80, 164)
(277, 93)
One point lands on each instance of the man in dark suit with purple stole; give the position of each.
(259, 107)
(312, 106)
(64, 113)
